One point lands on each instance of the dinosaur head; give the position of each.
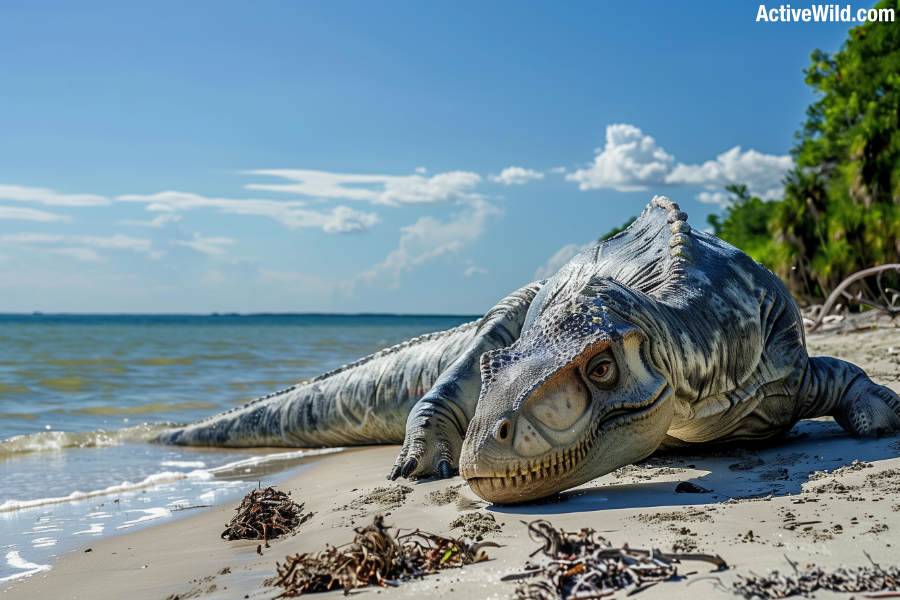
(575, 397)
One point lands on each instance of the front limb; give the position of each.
(437, 424)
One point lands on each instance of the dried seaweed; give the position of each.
(265, 514)
(812, 578)
(374, 557)
(579, 566)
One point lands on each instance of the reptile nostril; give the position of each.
(503, 430)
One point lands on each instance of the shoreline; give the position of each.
(803, 498)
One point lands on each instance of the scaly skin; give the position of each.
(659, 335)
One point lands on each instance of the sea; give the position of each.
(81, 396)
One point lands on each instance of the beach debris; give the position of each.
(585, 565)
(686, 487)
(806, 581)
(265, 514)
(867, 290)
(374, 557)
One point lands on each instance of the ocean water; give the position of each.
(81, 395)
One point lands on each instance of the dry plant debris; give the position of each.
(374, 557)
(579, 566)
(265, 514)
(813, 578)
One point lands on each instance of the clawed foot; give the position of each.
(872, 410)
(431, 447)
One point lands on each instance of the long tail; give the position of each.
(365, 402)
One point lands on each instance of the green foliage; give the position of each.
(617, 230)
(746, 224)
(841, 206)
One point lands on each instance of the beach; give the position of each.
(817, 496)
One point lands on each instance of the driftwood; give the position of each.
(865, 289)
(374, 557)
(579, 566)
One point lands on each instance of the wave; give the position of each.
(46, 441)
(15, 560)
(246, 466)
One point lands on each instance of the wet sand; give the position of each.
(818, 496)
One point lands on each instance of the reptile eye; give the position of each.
(603, 370)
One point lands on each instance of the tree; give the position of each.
(746, 223)
(841, 208)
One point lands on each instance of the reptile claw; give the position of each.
(409, 467)
(394, 474)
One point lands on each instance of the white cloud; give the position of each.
(211, 246)
(19, 213)
(473, 270)
(430, 238)
(517, 176)
(80, 247)
(720, 198)
(391, 190)
(630, 161)
(559, 259)
(78, 253)
(761, 173)
(21, 193)
(156, 222)
(292, 214)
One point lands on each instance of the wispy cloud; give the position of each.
(211, 246)
(292, 214)
(429, 238)
(78, 253)
(156, 222)
(631, 161)
(19, 213)
(80, 247)
(390, 190)
(516, 176)
(473, 270)
(558, 260)
(37, 195)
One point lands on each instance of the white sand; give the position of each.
(826, 519)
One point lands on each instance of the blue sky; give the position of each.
(357, 156)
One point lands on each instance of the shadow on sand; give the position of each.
(778, 469)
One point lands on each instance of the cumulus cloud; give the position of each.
(19, 213)
(632, 161)
(37, 195)
(761, 173)
(516, 176)
(391, 190)
(293, 214)
(209, 245)
(558, 260)
(429, 238)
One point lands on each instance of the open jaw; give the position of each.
(560, 469)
